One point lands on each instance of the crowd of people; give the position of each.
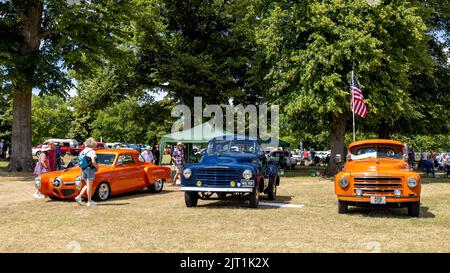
(430, 162)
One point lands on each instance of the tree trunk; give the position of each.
(21, 158)
(30, 31)
(336, 138)
(383, 132)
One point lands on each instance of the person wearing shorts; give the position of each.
(88, 173)
(178, 158)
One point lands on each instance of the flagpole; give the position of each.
(353, 105)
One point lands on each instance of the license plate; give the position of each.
(247, 183)
(378, 200)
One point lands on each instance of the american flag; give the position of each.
(357, 104)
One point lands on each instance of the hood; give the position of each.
(376, 165)
(72, 173)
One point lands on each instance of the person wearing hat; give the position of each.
(147, 154)
(178, 157)
(42, 166)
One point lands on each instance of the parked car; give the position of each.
(289, 161)
(233, 165)
(68, 146)
(120, 171)
(98, 146)
(377, 173)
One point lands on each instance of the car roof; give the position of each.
(117, 151)
(375, 141)
(234, 137)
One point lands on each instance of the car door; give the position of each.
(129, 175)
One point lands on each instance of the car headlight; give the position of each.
(57, 182)
(187, 173)
(37, 182)
(247, 174)
(78, 183)
(412, 182)
(343, 182)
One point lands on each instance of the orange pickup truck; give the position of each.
(377, 173)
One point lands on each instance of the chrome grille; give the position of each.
(371, 186)
(217, 176)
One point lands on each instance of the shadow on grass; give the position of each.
(241, 202)
(388, 212)
(437, 180)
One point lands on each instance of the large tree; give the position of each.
(41, 41)
(314, 46)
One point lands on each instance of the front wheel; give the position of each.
(253, 199)
(342, 207)
(414, 209)
(191, 198)
(156, 187)
(102, 192)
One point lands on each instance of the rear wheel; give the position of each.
(342, 207)
(414, 209)
(253, 199)
(102, 192)
(191, 198)
(157, 186)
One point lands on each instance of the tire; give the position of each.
(272, 190)
(342, 207)
(253, 200)
(414, 209)
(221, 195)
(191, 198)
(103, 192)
(156, 187)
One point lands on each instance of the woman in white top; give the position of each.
(148, 155)
(88, 173)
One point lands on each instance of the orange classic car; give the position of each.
(377, 173)
(120, 171)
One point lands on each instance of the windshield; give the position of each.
(105, 159)
(234, 146)
(377, 151)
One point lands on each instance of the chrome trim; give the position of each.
(208, 189)
(215, 167)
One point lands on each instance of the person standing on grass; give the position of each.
(178, 157)
(59, 155)
(88, 173)
(52, 156)
(42, 166)
(156, 153)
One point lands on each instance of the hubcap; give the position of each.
(103, 192)
(158, 184)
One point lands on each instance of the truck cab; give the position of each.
(231, 165)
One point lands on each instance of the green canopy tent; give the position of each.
(199, 134)
(281, 143)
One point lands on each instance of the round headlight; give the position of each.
(343, 182)
(247, 174)
(78, 183)
(412, 182)
(57, 182)
(187, 173)
(37, 182)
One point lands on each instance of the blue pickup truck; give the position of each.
(232, 165)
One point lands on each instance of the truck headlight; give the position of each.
(57, 182)
(247, 174)
(187, 173)
(37, 182)
(78, 183)
(412, 182)
(343, 182)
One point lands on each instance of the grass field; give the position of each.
(144, 222)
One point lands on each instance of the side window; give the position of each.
(141, 159)
(65, 144)
(126, 159)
